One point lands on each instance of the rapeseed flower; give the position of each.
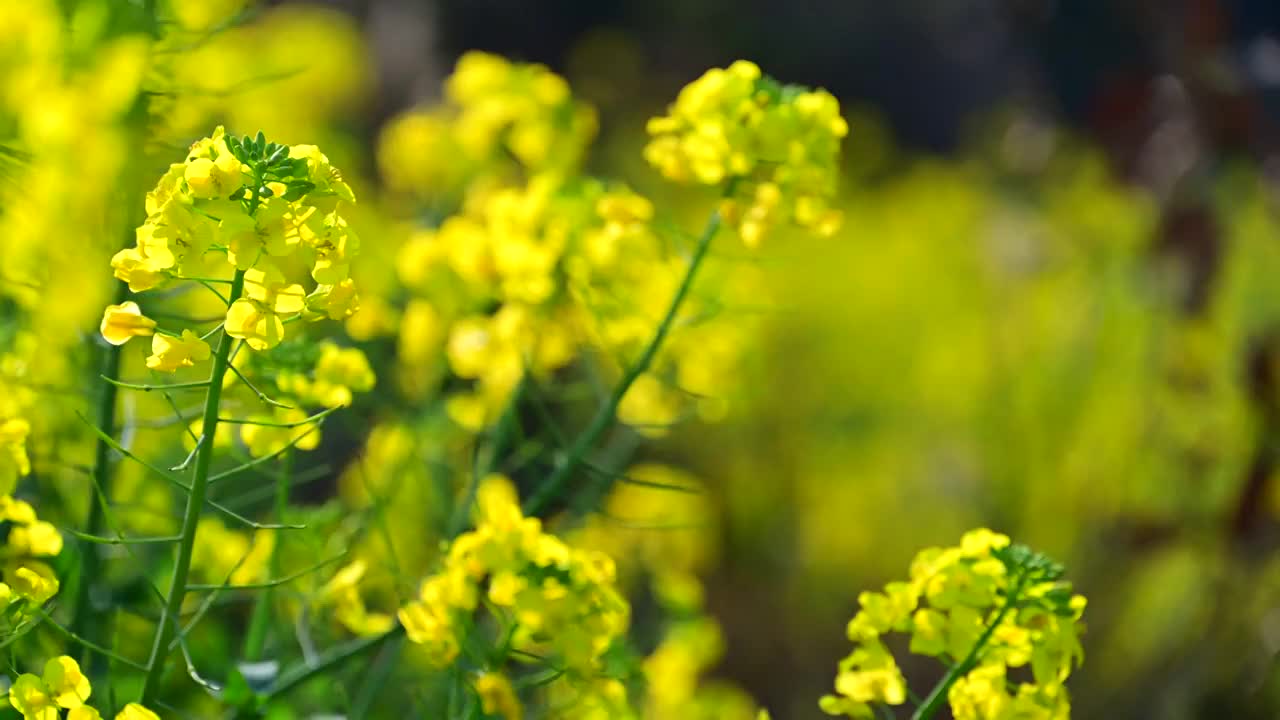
(121, 323)
(773, 147)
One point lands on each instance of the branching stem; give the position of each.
(195, 502)
(603, 420)
(938, 696)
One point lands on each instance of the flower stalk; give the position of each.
(604, 417)
(191, 518)
(938, 696)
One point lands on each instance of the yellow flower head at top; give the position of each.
(249, 206)
(774, 147)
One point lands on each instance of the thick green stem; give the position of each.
(90, 561)
(190, 519)
(933, 703)
(603, 420)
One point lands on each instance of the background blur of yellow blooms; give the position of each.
(975, 276)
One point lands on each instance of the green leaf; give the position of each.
(298, 189)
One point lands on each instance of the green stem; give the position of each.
(256, 641)
(90, 560)
(330, 660)
(555, 482)
(502, 434)
(195, 502)
(933, 703)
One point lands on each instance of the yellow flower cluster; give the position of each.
(342, 593)
(223, 555)
(523, 279)
(14, 462)
(339, 373)
(67, 84)
(557, 600)
(26, 576)
(498, 697)
(495, 109)
(670, 559)
(982, 607)
(774, 147)
(62, 686)
(673, 681)
(320, 374)
(253, 207)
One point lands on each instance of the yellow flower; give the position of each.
(255, 318)
(29, 696)
(339, 373)
(141, 272)
(65, 683)
(39, 539)
(134, 711)
(14, 462)
(32, 580)
(169, 353)
(263, 440)
(338, 301)
(222, 554)
(775, 147)
(213, 177)
(124, 321)
(497, 696)
(84, 712)
(951, 599)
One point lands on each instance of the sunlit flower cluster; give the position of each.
(554, 599)
(774, 147)
(983, 608)
(63, 687)
(244, 205)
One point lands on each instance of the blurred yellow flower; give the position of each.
(124, 321)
